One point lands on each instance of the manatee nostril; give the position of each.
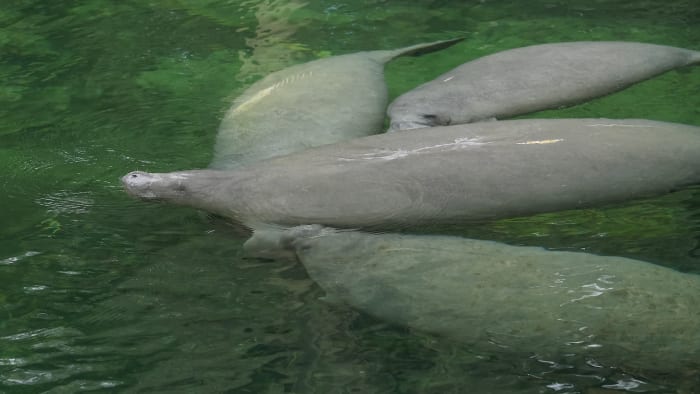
(134, 175)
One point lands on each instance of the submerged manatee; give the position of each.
(453, 174)
(311, 104)
(533, 78)
(618, 311)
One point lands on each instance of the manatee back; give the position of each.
(484, 170)
(525, 299)
(316, 103)
(533, 78)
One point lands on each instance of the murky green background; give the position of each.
(100, 293)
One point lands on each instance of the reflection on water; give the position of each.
(101, 293)
(273, 48)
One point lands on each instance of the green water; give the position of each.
(100, 293)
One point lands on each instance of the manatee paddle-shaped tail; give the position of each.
(533, 78)
(316, 103)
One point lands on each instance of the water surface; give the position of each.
(102, 293)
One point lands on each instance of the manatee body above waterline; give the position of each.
(533, 78)
(320, 102)
(618, 311)
(452, 174)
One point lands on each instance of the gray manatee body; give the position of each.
(533, 78)
(453, 174)
(315, 103)
(618, 311)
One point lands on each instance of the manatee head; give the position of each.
(213, 191)
(196, 188)
(153, 186)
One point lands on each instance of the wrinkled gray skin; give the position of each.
(453, 174)
(621, 312)
(311, 104)
(533, 78)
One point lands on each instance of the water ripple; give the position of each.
(16, 259)
(67, 202)
(56, 332)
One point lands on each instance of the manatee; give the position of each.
(315, 103)
(616, 311)
(454, 174)
(533, 78)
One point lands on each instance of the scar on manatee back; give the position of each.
(268, 90)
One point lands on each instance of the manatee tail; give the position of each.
(413, 50)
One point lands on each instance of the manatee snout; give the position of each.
(139, 184)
